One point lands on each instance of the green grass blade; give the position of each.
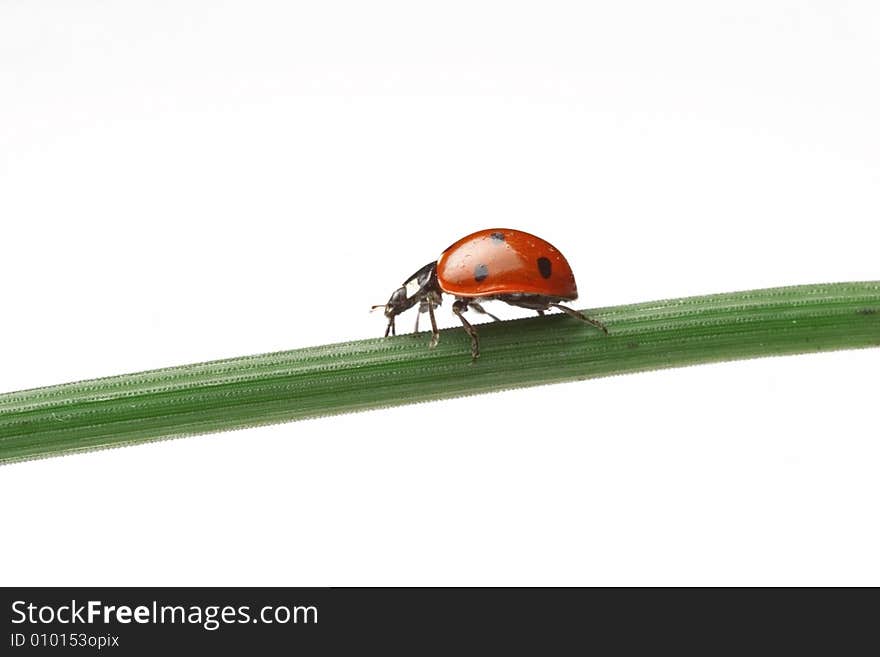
(370, 374)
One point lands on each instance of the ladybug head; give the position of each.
(414, 290)
(420, 286)
(398, 302)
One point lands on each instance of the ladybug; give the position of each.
(500, 264)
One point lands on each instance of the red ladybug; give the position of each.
(493, 264)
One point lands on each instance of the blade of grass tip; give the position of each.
(376, 373)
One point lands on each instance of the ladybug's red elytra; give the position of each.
(500, 264)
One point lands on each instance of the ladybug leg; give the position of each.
(478, 308)
(423, 308)
(428, 307)
(458, 308)
(435, 334)
(541, 313)
(577, 315)
(390, 328)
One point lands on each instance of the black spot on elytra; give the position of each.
(545, 267)
(498, 237)
(480, 273)
(867, 311)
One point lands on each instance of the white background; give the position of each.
(184, 181)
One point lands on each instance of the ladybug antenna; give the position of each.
(376, 307)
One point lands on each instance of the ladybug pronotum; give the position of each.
(500, 264)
